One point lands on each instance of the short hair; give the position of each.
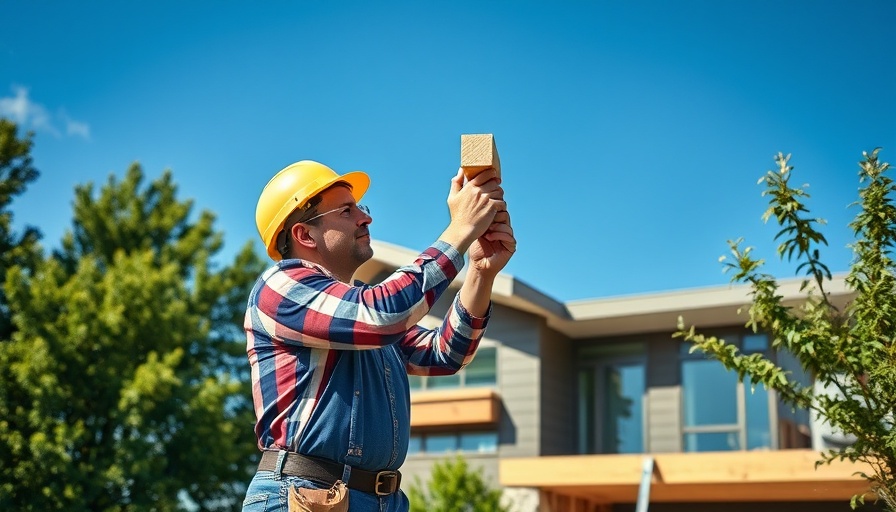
(300, 215)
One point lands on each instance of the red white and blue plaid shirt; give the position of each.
(330, 361)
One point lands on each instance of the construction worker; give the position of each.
(330, 359)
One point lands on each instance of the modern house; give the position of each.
(571, 406)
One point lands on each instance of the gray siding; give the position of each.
(664, 419)
(663, 362)
(519, 380)
(663, 400)
(558, 395)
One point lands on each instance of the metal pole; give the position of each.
(644, 489)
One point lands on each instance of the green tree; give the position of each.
(123, 385)
(851, 351)
(454, 487)
(16, 172)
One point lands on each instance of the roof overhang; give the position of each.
(613, 316)
(704, 307)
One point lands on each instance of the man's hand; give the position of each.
(492, 247)
(473, 206)
(490, 252)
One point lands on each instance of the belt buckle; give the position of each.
(382, 478)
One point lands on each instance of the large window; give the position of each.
(719, 412)
(449, 442)
(482, 371)
(610, 400)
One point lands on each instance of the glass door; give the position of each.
(611, 417)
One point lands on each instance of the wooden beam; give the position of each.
(777, 475)
(545, 501)
(478, 153)
(473, 406)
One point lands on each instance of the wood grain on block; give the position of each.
(478, 153)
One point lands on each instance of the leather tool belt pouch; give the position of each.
(334, 499)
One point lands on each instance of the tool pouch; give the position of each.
(334, 499)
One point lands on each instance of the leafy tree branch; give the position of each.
(852, 351)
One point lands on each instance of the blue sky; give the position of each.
(631, 134)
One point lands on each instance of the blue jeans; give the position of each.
(268, 492)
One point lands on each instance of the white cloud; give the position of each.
(23, 111)
(16, 108)
(31, 115)
(76, 128)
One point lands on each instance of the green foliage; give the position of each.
(851, 351)
(120, 387)
(454, 487)
(16, 172)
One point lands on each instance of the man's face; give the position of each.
(343, 237)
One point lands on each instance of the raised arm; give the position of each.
(300, 303)
(450, 347)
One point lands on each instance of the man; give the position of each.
(329, 359)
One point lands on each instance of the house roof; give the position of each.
(620, 315)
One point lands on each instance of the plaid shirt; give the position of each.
(330, 361)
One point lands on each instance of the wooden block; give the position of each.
(478, 153)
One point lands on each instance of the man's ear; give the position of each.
(302, 236)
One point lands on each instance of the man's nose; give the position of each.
(365, 218)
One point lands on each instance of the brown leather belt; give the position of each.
(381, 483)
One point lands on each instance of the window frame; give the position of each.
(457, 435)
(739, 427)
(462, 374)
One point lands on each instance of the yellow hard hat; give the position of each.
(291, 188)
